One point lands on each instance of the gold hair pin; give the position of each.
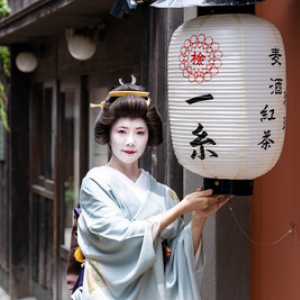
(136, 93)
(123, 93)
(93, 105)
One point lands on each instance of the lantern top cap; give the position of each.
(201, 3)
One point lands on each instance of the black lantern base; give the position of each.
(229, 186)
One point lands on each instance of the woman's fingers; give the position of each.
(200, 189)
(224, 200)
(203, 200)
(218, 200)
(207, 192)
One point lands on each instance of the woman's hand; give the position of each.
(204, 201)
(213, 206)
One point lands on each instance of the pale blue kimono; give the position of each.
(115, 234)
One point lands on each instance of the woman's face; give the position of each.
(128, 139)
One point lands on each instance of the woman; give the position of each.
(126, 213)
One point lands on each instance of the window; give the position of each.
(70, 150)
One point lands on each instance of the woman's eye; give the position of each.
(121, 131)
(141, 132)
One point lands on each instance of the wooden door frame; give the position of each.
(60, 252)
(42, 186)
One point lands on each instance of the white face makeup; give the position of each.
(128, 139)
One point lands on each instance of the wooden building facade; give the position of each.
(50, 148)
(50, 145)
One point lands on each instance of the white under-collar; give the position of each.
(139, 187)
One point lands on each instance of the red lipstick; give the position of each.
(129, 152)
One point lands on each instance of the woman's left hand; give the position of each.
(213, 207)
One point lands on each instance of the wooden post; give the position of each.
(19, 234)
(4, 217)
(59, 188)
(84, 126)
(158, 26)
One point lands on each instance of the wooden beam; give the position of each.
(19, 182)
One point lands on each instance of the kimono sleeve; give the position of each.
(122, 248)
(184, 270)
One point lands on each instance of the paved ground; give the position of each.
(4, 296)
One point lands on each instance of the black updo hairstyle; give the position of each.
(132, 107)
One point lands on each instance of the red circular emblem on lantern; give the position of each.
(200, 58)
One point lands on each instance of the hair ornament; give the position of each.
(133, 80)
(93, 105)
(148, 102)
(115, 94)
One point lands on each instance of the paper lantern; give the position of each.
(81, 47)
(227, 99)
(26, 62)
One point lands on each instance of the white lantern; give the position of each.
(26, 62)
(81, 47)
(227, 99)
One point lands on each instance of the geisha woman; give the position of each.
(126, 213)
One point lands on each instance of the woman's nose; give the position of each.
(130, 141)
